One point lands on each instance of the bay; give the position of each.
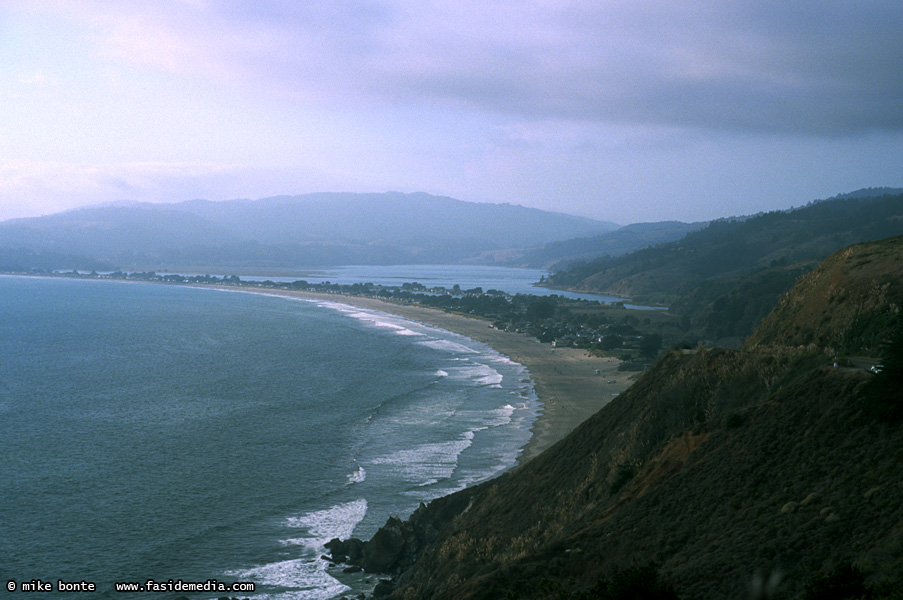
(506, 279)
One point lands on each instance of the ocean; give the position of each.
(175, 433)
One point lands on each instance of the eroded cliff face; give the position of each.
(721, 466)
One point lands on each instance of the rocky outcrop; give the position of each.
(398, 544)
(388, 548)
(350, 551)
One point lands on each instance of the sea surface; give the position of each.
(175, 433)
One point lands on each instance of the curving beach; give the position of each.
(565, 378)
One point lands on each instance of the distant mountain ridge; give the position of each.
(308, 230)
(869, 192)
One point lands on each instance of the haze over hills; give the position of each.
(309, 230)
(563, 254)
(670, 262)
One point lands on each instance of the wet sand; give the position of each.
(565, 378)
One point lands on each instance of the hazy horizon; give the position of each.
(126, 203)
(625, 112)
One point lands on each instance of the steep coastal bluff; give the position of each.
(758, 472)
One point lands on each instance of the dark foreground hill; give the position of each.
(728, 471)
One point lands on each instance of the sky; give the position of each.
(619, 110)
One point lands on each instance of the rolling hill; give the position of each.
(729, 247)
(558, 256)
(292, 231)
(723, 279)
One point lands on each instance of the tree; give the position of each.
(634, 583)
(611, 341)
(883, 395)
(651, 344)
(540, 310)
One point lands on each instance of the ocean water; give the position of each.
(157, 432)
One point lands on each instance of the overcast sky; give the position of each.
(621, 110)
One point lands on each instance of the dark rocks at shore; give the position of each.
(391, 547)
(342, 551)
(383, 588)
(388, 547)
(397, 544)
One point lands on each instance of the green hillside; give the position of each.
(731, 247)
(722, 280)
(847, 305)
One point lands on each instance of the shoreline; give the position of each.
(564, 379)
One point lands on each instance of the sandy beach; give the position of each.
(565, 378)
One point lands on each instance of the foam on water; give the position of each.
(448, 346)
(338, 521)
(503, 415)
(303, 578)
(306, 578)
(371, 317)
(404, 331)
(504, 462)
(481, 374)
(358, 476)
(504, 360)
(427, 464)
(497, 417)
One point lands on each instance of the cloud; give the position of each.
(35, 79)
(812, 67)
(597, 108)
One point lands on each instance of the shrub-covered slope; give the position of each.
(847, 304)
(733, 247)
(723, 280)
(722, 467)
